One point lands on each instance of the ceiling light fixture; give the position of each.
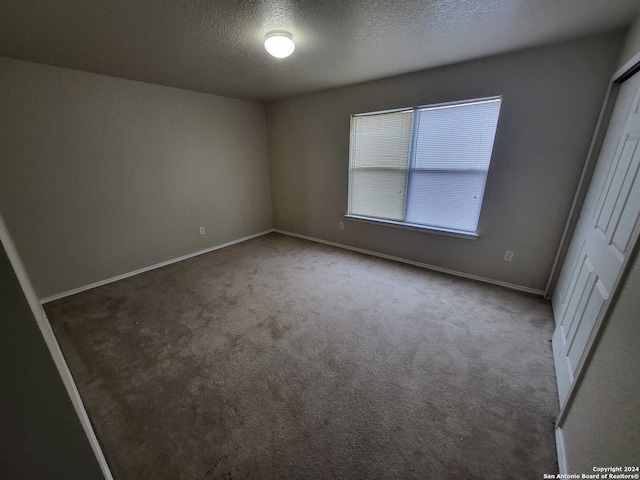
(279, 43)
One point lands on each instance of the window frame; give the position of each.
(406, 225)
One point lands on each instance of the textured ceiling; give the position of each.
(216, 46)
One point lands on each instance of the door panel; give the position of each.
(610, 146)
(629, 204)
(619, 187)
(576, 346)
(606, 231)
(580, 283)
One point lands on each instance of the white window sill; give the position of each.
(419, 228)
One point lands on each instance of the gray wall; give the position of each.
(602, 426)
(40, 434)
(632, 43)
(552, 97)
(101, 176)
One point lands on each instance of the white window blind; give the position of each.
(425, 166)
(380, 164)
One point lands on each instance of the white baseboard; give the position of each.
(562, 459)
(417, 264)
(58, 296)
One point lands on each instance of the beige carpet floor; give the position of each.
(283, 358)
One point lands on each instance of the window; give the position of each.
(423, 167)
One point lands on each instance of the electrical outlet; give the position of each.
(340, 225)
(508, 255)
(201, 230)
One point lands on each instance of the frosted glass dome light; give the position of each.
(279, 44)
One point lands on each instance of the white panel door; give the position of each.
(605, 234)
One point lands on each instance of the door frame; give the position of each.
(53, 346)
(626, 71)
